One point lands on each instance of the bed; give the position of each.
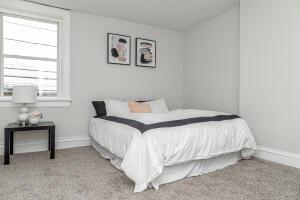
(157, 148)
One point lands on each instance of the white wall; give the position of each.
(93, 79)
(211, 59)
(270, 71)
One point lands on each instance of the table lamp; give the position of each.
(24, 94)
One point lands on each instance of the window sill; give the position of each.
(5, 102)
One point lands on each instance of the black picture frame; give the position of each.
(109, 53)
(136, 53)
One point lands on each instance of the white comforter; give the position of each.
(145, 155)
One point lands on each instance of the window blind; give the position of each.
(29, 54)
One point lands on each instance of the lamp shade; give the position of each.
(24, 94)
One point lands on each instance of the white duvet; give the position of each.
(145, 155)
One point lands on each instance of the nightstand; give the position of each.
(11, 128)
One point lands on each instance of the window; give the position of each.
(30, 54)
(35, 50)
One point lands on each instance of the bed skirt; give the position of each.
(180, 171)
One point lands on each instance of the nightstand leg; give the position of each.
(11, 142)
(52, 143)
(6, 148)
(49, 140)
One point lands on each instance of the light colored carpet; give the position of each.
(81, 173)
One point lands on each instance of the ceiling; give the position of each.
(172, 14)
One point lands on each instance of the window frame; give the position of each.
(61, 17)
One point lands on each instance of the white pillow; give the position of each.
(158, 106)
(116, 107)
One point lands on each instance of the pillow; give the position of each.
(159, 106)
(136, 107)
(99, 108)
(116, 107)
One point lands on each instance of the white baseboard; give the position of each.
(61, 143)
(282, 157)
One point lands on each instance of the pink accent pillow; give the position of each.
(136, 107)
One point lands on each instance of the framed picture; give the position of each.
(145, 51)
(118, 49)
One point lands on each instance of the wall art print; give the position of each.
(145, 53)
(118, 49)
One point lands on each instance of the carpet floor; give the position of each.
(82, 174)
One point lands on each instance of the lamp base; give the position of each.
(23, 116)
(26, 123)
